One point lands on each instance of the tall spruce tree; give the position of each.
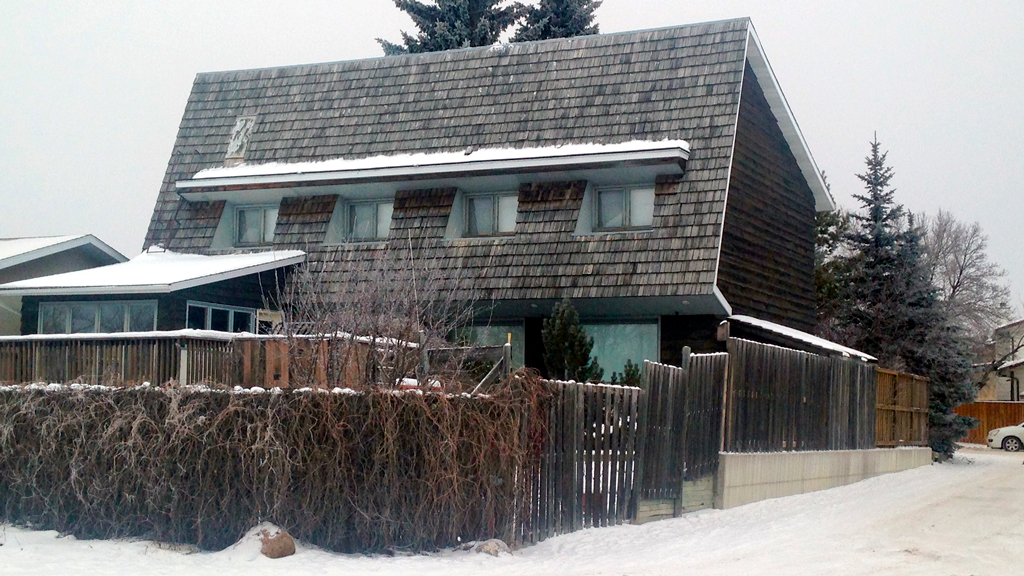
(558, 19)
(892, 310)
(452, 24)
(567, 347)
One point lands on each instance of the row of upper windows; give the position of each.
(620, 208)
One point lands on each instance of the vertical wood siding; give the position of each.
(766, 268)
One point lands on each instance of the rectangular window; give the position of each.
(105, 317)
(254, 225)
(53, 319)
(616, 343)
(491, 215)
(206, 316)
(625, 208)
(370, 220)
(142, 316)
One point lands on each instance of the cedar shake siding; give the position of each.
(767, 259)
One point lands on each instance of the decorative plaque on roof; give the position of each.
(240, 137)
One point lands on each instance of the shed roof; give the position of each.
(154, 272)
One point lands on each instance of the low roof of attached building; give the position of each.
(155, 272)
(803, 337)
(1012, 364)
(15, 251)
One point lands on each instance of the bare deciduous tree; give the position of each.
(375, 315)
(971, 287)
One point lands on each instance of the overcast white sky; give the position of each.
(91, 94)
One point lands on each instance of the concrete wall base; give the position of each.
(746, 478)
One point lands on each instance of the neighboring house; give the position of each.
(656, 178)
(1004, 367)
(23, 258)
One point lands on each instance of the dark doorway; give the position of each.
(533, 350)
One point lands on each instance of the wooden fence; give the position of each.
(663, 441)
(778, 399)
(681, 418)
(187, 357)
(902, 410)
(584, 474)
(991, 415)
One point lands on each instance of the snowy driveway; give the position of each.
(963, 518)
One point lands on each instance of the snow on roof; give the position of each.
(155, 272)
(15, 251)
(1011, 364)
(801, 336)
(439, 159)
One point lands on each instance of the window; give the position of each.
(205, 316)
(491, 215)
(254, 225)
(370, 220)
(103, 317)
(616, 343)
(625, 208)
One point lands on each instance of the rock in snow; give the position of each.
(494, 547)
(278, 545)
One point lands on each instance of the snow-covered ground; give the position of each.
(961, 518)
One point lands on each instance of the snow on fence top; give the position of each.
(421, 160)
(214, 335)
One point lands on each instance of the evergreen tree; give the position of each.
(630, 375)
(567, 347)
(892, 308)
(558, 19)
(452, 24)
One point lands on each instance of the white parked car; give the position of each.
(1009, 438)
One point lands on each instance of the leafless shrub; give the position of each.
(352, 472)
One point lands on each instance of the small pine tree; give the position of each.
(630, 375)
(453, 24)
(558, 19)
(567, 347)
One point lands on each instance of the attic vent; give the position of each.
(239, 138)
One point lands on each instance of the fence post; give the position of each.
(183, 363)
(687, 404)
(424, 356)
(506, 358)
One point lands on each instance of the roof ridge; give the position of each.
(491, 47)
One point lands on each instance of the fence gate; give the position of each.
(585, 470)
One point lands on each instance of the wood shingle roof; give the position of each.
(681, 83)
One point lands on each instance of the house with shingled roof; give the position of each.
(657, 178)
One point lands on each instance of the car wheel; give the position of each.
(1012, 444)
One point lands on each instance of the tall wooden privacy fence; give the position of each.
(682, 418)
(779, 399)
(991, 415)
(902, 411)
(586, 466)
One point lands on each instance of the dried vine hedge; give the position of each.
(351, 472)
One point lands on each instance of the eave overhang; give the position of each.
(591, 162)
(823, 200)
